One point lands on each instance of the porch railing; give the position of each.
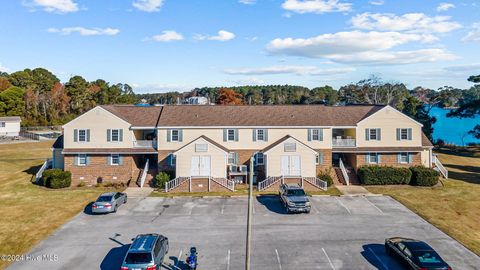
(316, 182)
(269, 181)
(440, 166)
(343, 142)
(344, 172)
(47, 164)
(145, 144)
(177, 182)
(229, 184)
(144, 173)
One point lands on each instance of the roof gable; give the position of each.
(388, 107)
(93, 111)
(208, 140)
(284, 139)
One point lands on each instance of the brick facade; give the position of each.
(389, 159)
(327, 161)
(99, 167)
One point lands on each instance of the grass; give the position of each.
(30, 212)
(453, 208)
(240, 190)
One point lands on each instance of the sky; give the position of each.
(162, 45)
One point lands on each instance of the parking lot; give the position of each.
(339, 233)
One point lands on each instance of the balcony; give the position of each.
(145, 144)
(343, 142)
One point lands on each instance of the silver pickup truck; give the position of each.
(294, 198)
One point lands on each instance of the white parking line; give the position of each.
(379, 210)
(228, 260)
(223, 208)
(378, 258)
(328, 258)
(178, 258)
(278, 260)
(343, 205)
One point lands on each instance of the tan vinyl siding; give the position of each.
(426, 157)
(98, 121)
(388, 120)
(245, 141)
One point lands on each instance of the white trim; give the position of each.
(381, 151)
(100, 107)
(290, 137)
(78, 160)
(263, 159)
(86, 135)
(108, 153)
(118, 135)
(234, 133)
(111, 160)
(250, 127)
(390, 107)
(400, 161)
(199, 138)
(145, 127)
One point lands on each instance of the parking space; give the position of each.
(339, 233)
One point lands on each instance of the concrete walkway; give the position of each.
(353, 190)
(136, 192)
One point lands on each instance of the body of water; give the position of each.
(452, 129)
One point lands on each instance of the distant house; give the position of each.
(10, 126)
(197, 100)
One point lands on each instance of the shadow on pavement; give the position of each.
(272, 203)
(88, 209)
(376, 256)
(176, 264)
(114, 258)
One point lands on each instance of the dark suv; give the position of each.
(146, 252)
(294, 198)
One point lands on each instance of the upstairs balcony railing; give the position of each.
(341, 142)
(145, 144)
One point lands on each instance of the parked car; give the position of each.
(109, 202)
(147, 252)
(294, 198)
(415, 254)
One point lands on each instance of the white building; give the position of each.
(10, 126)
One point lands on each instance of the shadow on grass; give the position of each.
(460, 151)
(272, 203)
(376, 256)
(473, 178)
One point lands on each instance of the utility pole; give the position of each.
(249, 214)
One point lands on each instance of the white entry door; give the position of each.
(200, 166)
(291, 166)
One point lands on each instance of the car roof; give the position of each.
(417, 245)
(292, 186)
(108, 194)
(144, 242)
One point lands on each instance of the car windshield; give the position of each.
(295, 192)
(427, 257)
(104, 199)
(138, 258)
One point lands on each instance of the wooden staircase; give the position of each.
(340, 180)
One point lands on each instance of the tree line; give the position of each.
(39, 97)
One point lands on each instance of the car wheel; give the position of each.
(125, 200)
(115, 209)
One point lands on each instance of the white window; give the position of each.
(201, 147)
(175, 135)
(82, 158)
(260, 159)
(82, 135)
(115, 135)
(2, 124)
(373, 134)
(403, 158)
(290, 147)
(230, 135)
(315, 134)
(319, 158)
(232, 156)
(115, 159)
(373, 158)
(260, 135)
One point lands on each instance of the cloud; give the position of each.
(410, 22)
(458, 71)
(247, 81)
(55, 6)
(316, 6)
(473, 34)
(222, 35)
(3, 69)
(466, 67)
(167, 36)
(298, 70)
(85, 31)
(377, 3)
(445, 6)
(148, 5)
(360, 48)
(247, 2)
(342, 42)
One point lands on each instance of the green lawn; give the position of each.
(240, 190)
(29, 212)
(454, 208)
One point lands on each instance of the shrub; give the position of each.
(326, 176)
(56, 178)
(422, 176)
(384, 175)
(160, 180)
(81, 184)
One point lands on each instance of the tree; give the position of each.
(323, 95)
(229, 97)
(11, 102)
(474, 79)
(4, 83)
(416, 109)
